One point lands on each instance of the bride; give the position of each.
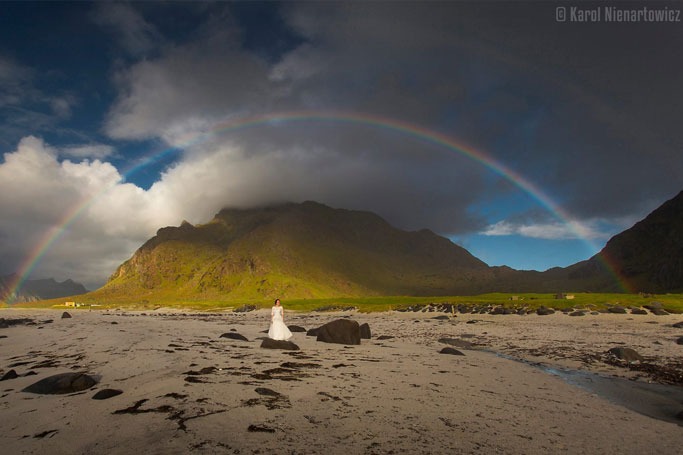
(278, 330)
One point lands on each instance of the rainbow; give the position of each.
(277, 119)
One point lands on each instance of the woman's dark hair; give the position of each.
(275, 302)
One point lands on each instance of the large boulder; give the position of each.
(341, 331)
(62, 383)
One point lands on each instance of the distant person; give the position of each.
(278, 330)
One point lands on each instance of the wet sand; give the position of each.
(186, 389)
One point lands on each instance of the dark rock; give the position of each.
(260, 429)
(66, 315)
(11, 374)
(385, 337)
(443, 317)
(456, 342)
(543, 311)
(244, 309)
(106, 393)
(234, 336)
(680, 340)
(205, 370)
(616, 309)
(296, 328)
(577, 313)
(267, 392)
(269, 343)
(595, 313)
(638, 311)
(451, 351)
(659, 312)
(627, 354)
(472, 321)
(365, 331)
(340, 331)
(503, 310)
(62, 383)
(678, 325)
(653, 306)
(313, 332)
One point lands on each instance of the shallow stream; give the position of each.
(659, 401)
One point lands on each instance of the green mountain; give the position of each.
(303, 250)
(310, 250)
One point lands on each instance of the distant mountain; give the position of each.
(303, 250)
(32, 290)
(648, 256)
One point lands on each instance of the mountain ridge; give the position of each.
(310, 250)
(39, 289)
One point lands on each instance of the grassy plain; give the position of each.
(672, 303)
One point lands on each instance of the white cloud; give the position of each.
(95, 151)
(105, 220)
(587, 230)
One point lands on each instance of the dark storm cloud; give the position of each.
(589, 113)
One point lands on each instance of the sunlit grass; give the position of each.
(594, 301)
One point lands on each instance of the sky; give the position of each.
(524, 137)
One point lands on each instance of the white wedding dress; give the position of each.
(278, 330)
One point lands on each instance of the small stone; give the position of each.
(66, 315)
(365, 331)
(543, 311)
(269, 343)
(260, 429)
(106, 393)
(296, 329)
(11, 374)
(234, 336)
(617, 309)
(451, 351)
(627, 354)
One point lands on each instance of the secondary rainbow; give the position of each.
(277, 119)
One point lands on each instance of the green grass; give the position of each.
(670, 302)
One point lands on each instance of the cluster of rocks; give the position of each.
(7, 323)
(463, 308)
(624, 357)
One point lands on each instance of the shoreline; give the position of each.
(197, 392)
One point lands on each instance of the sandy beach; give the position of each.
(518, 388)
